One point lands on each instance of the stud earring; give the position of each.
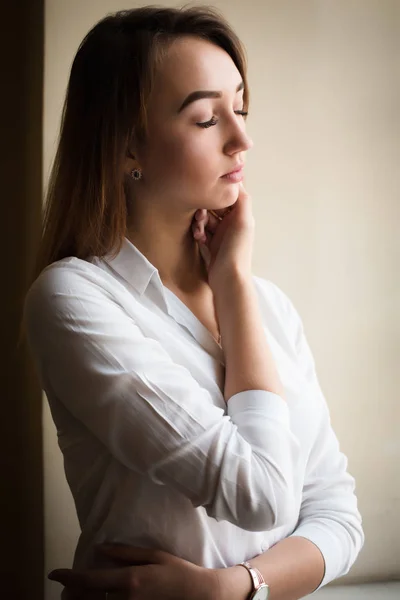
(136, 174)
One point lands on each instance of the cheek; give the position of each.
(186, 160)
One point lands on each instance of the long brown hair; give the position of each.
(104, 111)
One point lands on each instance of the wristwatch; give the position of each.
(260, 588)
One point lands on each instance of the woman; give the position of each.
(188, 410)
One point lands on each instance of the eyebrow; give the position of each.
(201, 94)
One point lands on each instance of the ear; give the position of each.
(131, 162)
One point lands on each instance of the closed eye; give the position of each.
(214, 120)
(210, 123)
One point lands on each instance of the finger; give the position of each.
(206, 223)
(244, 206)
(199, 223)
(95, 579)
(213, 220)
(199, 235)
(132, 554)
(199, 214)
(243, 194)
(207, 220)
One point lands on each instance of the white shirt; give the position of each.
(153, 454)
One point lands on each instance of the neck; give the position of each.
(167, 242)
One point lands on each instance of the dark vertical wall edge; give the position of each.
(21, 106)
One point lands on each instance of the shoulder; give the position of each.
(68, 275)
(273, 298)
(62, 284)
(279, 314)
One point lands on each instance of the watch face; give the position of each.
(262, 593)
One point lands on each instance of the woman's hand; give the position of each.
(226, 245)
(141, 574)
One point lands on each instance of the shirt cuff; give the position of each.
(329, 547)
(266, 403)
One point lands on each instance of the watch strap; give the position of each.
(257, 578)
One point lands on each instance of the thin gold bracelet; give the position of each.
(218, 217)
(215, 214)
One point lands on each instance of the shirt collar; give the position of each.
(138, 271)
(133, 266)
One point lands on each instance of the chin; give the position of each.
(221, 202)
(229, 195)
(229, 200)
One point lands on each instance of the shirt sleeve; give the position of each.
(150, 412)
(329, 516)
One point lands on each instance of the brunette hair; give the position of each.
(104, 111)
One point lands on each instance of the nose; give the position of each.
(238, 140)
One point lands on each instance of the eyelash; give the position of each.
(214, 121)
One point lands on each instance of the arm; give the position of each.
(328, 536)
(249, 362)
(293, 568)
(151, 414)
(329, 515)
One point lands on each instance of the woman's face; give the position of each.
(182, 161)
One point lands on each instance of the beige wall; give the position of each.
(324, 178)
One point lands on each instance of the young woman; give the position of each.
(188, 410)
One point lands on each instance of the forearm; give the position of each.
(248, 359)
(293, 568)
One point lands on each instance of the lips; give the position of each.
(235, 176)
(235, 170)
